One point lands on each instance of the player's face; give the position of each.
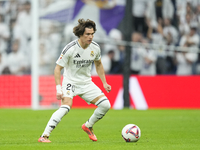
(87, 36)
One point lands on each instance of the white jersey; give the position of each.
(77, 62)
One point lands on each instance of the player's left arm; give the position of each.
(101, 74)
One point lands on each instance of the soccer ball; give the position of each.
(131, 133)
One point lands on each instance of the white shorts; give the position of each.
(88, 92)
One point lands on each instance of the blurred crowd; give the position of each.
(164, 22)
(15, 39)
(160, 22)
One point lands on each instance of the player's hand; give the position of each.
(107, 87)
(59, 94)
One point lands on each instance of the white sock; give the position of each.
(103, 106)
(55, 119)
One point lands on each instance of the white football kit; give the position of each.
(77, 63)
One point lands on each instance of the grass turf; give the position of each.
(161, 130)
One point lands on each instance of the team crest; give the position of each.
(68, 92)
(92, 54)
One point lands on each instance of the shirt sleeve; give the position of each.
(98, 56)
(63, 59)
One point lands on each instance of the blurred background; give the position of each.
(150, 50)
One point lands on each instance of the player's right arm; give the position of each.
(57, 76)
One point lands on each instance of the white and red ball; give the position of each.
(131, 133)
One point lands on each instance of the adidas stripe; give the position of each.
(68, 47)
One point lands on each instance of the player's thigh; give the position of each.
(68, 90)
(96, 99)
(67, 101)
(91, 93)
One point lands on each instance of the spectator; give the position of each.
(155, 32)
(170, 30)
(3, 63)
(116, 36)
(149, 60)
(168, 35)
(50, 41)
(11, 10)
(191, 39)
(106, 60)
(169, 63)
(45, 60)
(54, 39)
(24, 22)
(189, 9)
(159, 9)
(198, 17)
(155, 35)
(186, 60)
(165, 61)
(184, 27)
(181, 9)
(17, 61)
(139, 19)
(136, 54)
(184, 8)
(4, 34)
(2, 7)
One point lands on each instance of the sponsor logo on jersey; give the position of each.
(92, 54)
(77, 55)
(82, 63)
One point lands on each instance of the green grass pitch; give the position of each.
(167, 129)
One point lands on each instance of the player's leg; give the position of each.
(103, 105)
(56, 118)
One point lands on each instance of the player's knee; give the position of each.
(104, 104)
(65, 109)
(67, 101)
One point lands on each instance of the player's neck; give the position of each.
(83, 45)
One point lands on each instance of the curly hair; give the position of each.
(80, 28)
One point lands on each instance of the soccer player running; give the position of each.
(76, 59)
